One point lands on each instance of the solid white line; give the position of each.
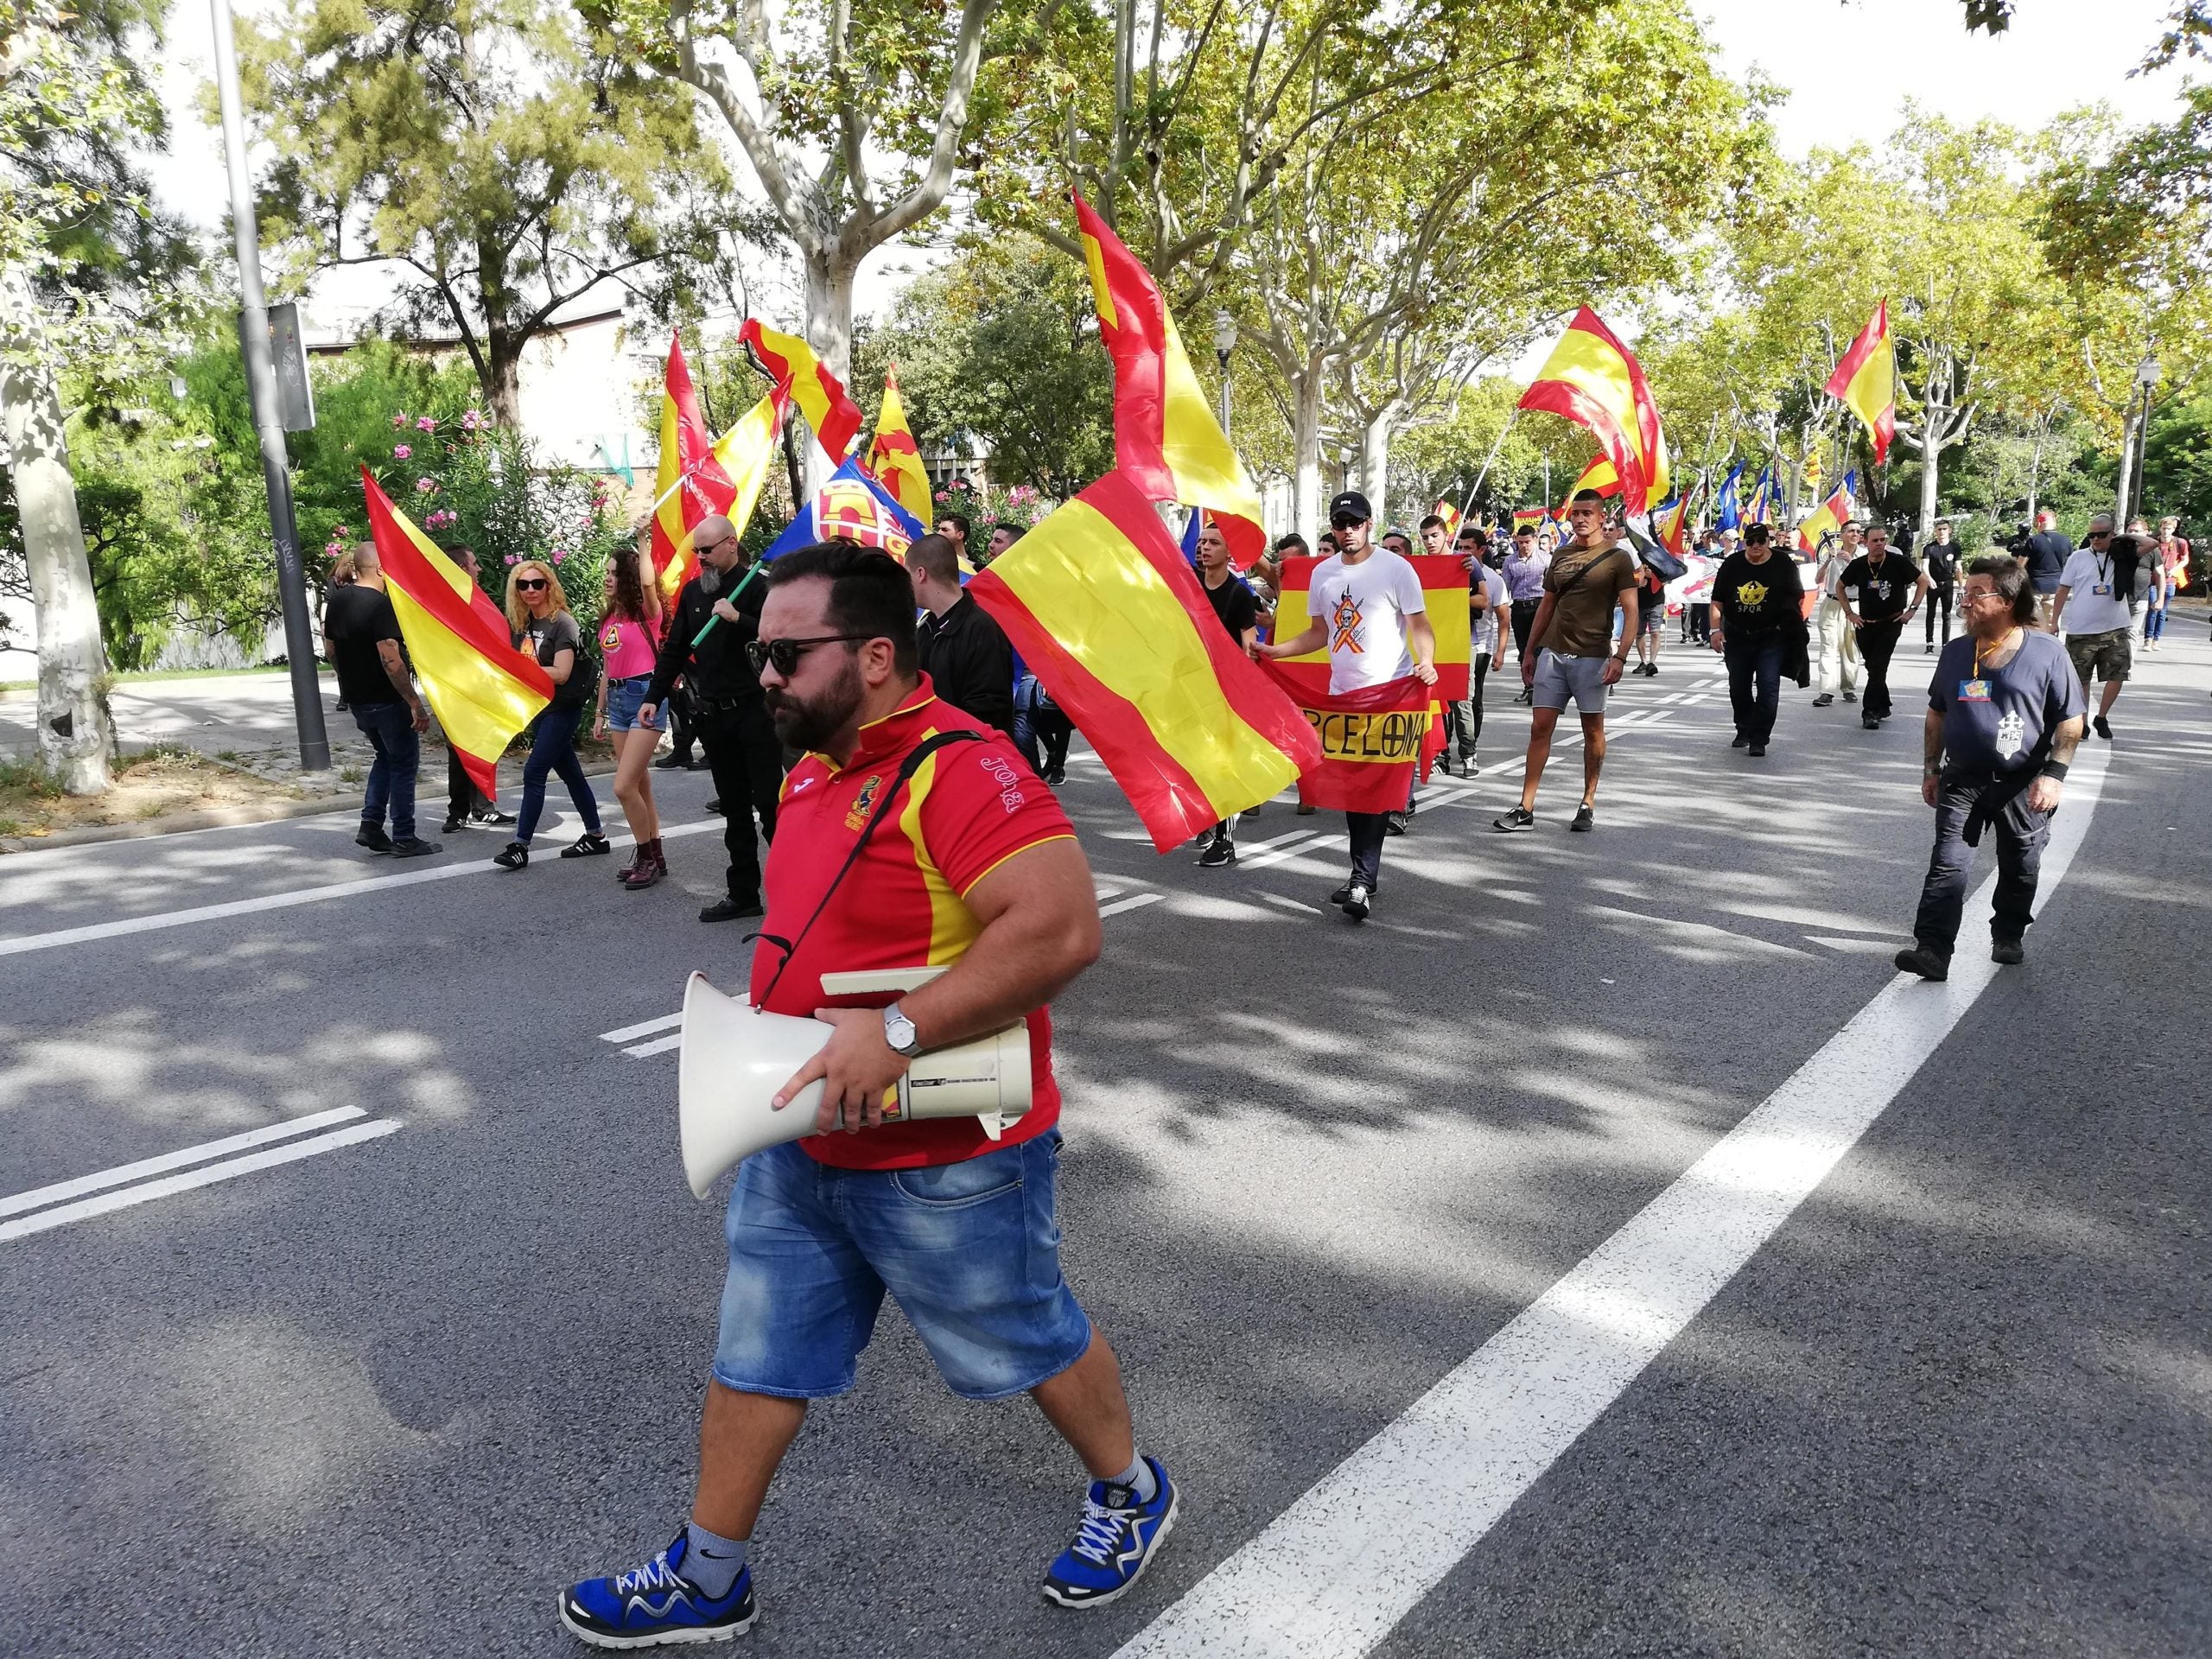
(39, 1196)
(661, 1045)
(1137, 903)
(168, 919)
(643, 1028)
(208, 1175)
(1333, 1575)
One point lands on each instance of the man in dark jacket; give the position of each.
(732, 722)
(965, 652)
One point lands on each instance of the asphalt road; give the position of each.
(389, 1396)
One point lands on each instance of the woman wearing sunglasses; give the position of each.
(628, 642)
(537, 611)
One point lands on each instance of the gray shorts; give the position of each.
(1558, 678)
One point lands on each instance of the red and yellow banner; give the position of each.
(1166, 437)
(894, 458)
(1108, 615)
(481, 689)
(696, 478)
(1443, 586)
(1592, 379)
(1864, 381)
(803, 377)
(1370, 741)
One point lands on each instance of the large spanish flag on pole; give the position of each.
(820, 397)
(1599, 475)
(1443, 586)
(1166, 438)
(696, 478)
(894, 458)
(1865, 381)
(1592, 379)
(1108, 615)
(481, 689)
(1828, 517)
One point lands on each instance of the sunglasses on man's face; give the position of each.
(1345, 521)
(783, 655)
(529, 583)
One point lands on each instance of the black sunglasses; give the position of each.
(530, 582)
(783, 655)
(1345, 521)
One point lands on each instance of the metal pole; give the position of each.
(1468, 505)
(261, 385)
(1223, 357)
(2142, 458)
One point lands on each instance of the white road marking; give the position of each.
(1136, 901)
(1291, 904)
(643, 1028)
(658, 1045)
(39, 1197)
(168, 919)
(1289, 847)
(208, 1175)
(1332, 1575)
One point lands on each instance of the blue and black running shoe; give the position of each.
(1119, 1535)
(656, 1603)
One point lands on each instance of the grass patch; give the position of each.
(154, 784)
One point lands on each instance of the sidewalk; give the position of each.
(224, 715)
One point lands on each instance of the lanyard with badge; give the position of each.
(2102, 586)
(1977, 689)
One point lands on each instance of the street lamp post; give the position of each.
(261, 385)
(1224, 342)
(2130, 478)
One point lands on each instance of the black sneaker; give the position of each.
(1869, 722)
(2103, 727)
(1398, 823)
(1586, 817)
(1919, 959)
(656, 1603)
(1219, 852)
(1823, 700)
(1851, 696)
(492, 817)
(453, 826)
(512, 856)
(1055, 777)
(415, 847)
(590, 844)
(671, 761)
(1759, 750)
(714, 806)
(1356, 902)
(1471, 765)
(2010, 952)
(1355, 879)
(373, 837)
(1739, 741)
(728, 910)
(1519, 818)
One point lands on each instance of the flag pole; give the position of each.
(1468, 505)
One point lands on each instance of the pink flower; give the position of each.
(342, 532)
(470, 421)
(424, 485)
(398, 422)
(400, 452)
(559, 554)
(511, 559)
(334, 548)
(424, 424)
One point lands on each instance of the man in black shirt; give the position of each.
(2048, 550)
(362, 634)
(966, 655)
(1940, 556)
(1239, 613)
(1881, 592)
(732, 723)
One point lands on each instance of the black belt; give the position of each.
(722, 703)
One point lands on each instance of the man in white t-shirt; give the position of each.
(1367, 608)
(2090, 608)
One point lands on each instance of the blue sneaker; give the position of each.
(656, 1603)
(1119, 1536)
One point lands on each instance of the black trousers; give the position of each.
(1463, 720)
(1965, 806)
(748, 764)
(1524, 618)
(1754, 683)
(1368, 829)
(462, 796)
(682, 727)
(1939, 596)
(1877, 643)
(1697, 619)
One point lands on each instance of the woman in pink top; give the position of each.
(628, 641)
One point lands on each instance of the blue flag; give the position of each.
(1728, 514)
(852, 504)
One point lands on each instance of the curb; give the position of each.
(213, 817)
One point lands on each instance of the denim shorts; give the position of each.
(1559, 678)
(623, 698)
(972, 1250)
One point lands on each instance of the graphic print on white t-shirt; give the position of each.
(1363, 608)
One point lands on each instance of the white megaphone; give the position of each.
(734, 1058)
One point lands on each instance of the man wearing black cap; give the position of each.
(1367, 608)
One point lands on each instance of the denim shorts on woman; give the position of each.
(623, 698)
(970, 1250)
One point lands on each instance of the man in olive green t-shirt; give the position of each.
(1572, 655)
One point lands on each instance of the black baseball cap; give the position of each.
(1351, 504)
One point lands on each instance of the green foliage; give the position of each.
(2178, 465)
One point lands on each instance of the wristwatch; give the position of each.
(899, 1032)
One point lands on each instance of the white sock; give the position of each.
(1139, 1479)
(712, 1561)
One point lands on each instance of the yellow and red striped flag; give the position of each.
(1109, 616)
(894, 458)
(1828, 517)
(1865, 381)
(1672, 525)
(1592, 379)
(1443, 586)
(820, 397)
(696, 478)
(1450, 515)
(1599, 475)
(482, 690)
(1166, 441)
(1529, 517)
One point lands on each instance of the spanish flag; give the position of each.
(1592, 379)
(694, 479)
(1166, 439)
(1443, 586)
(1111, 619)
(894, 458)
(1865, 381)
(1370, 740)
(1828, 517)
(1671, 523)
(482, 690)
(1450, 515)
(1599, 475)
(1529, 517)
(820, 397)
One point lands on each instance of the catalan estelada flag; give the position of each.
(894, 458)
(1371, 740)
(1865, 381)
(1166, 441)
(1592, 379)
(1107, 612)
(820, 397)
(481, 689)
(1828, 517)
(1443, 586)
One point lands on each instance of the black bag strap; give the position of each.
(912, 764)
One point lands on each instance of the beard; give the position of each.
(809, 722)
(710, 580)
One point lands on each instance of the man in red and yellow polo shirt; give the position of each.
(973, 867)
